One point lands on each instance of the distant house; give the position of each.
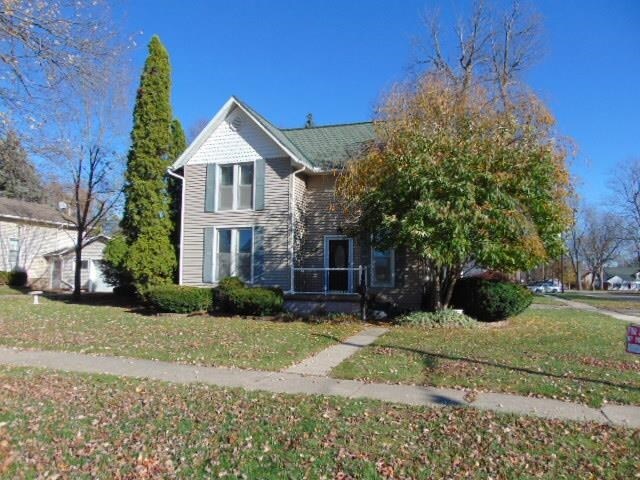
(259, 203)
(623, 278)
(615, 278)
(38, 240)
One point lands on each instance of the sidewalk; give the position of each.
(285, 382)
(590, 308)
(323, 362)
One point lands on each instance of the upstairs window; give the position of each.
(225, 189)
(235, 188)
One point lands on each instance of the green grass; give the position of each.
(621, 305)
(203, 340)
(545, 300)
(79, 426)
(557, 353)
(7, 290)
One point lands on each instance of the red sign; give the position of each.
(633, 339)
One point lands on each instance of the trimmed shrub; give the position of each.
(441, 319)
(128, 291)
(234, 297)
(179, 299)
(490, 300)
(17, 279)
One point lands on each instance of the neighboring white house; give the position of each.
(63, 263)
(37, 239)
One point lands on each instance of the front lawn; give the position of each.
(55, 425)
(545, 300)
(204, 340)
(7, 290)
(558, 353)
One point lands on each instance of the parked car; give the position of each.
(548, 286)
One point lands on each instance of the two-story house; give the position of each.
(258, 202)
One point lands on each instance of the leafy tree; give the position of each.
(115, 261)
(178, 145)
(456, 178)
(466, 165)
(146, 222)
(18, 176)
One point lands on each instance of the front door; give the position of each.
(338, 256)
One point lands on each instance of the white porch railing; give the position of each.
(329, 281)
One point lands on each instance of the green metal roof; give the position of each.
(323, 147)
(331, 146)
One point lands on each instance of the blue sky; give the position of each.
(333, 58)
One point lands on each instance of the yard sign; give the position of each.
(633, 339)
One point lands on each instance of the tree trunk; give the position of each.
(601, 278)
(449, 291)
(578, 279)
(436, 300)
(77, 276)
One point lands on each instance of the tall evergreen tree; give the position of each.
(178, 145)
(146, 221)
(18, 176)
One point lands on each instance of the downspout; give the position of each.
(292, 220)
(181, 178)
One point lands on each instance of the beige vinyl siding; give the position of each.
(324, 216)
(36, 240)
(274, 219)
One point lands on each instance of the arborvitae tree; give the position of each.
(18, 176)
(178, 145)
(146, 222)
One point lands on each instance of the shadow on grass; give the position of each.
(430, 361)
(102, 299)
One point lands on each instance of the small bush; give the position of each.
(230, 282)
(4, 278)
(490, 300)
(234, 297)
(441, 319)
(16, 279)
(179, 299)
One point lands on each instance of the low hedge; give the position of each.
(235, 298)
(179, 299)
(490, 300)
(16, 279)
(446, 318)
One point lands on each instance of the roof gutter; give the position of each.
(180, 256)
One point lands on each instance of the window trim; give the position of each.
(234, 244)
(392, 282)
(235, 186)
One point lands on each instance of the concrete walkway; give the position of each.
(284, 382)
(590, 308)
(325, 361)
